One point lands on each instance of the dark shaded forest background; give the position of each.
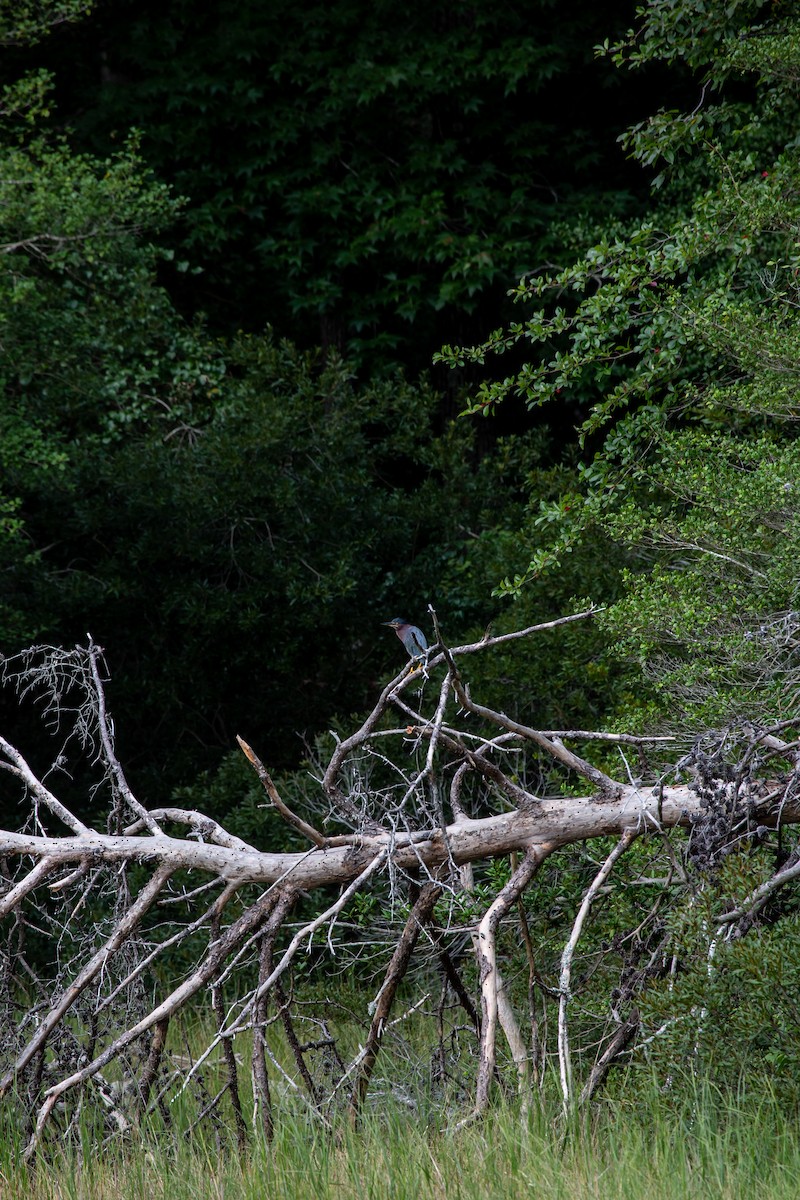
(234, 457)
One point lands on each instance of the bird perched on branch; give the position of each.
(412, 638)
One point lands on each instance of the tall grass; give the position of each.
(713, 1149)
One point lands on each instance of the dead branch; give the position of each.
(553, 745)
(756, 900)
(146, 898)
(565, 978)
(260, 1008)
(28, 883)
(217, 953)
(150, 1072)
(101, 1004)
(262, 1106)
(202, 826)
(616, 1046)
(417, 918)
(107, 740)
(487, 642)
(291, 818)
(17, 765)
(231, 1070)
(486, 949)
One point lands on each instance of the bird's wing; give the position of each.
(418, 638)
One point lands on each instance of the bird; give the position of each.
(412, 638)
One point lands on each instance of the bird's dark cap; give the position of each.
(395, 621)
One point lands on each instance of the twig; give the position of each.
(291, 818)
(150, 1071)
(619, 1042)
(486, 643)
(756, 900)
(43, 868)
(108, 744)
(228, 1055)
(21, 769)
(125, 926)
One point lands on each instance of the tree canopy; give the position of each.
(676, 336)
(232, 510)
(170, 488)
(367, 177)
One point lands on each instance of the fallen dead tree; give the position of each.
(162, 907)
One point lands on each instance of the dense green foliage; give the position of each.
(366, 177)
(232, 516)
(29, 20)
(89, 349)
(679, 337)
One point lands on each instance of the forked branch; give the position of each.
(420, 811)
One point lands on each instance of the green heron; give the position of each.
(412, 638)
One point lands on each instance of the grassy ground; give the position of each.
(729, 1151)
